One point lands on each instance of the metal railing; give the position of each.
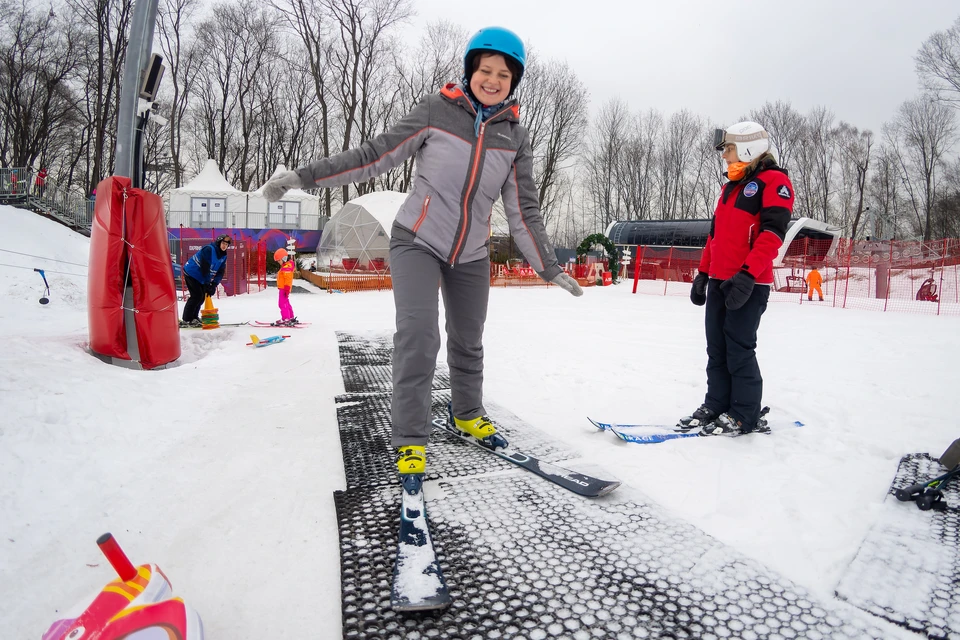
(24, 187)
(243, 220)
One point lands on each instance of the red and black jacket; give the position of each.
(749, 224)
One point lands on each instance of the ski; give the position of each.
(418, 583)
(221, 324)
(641, 433)
(578, 483)
(277, 324)
(654, 433)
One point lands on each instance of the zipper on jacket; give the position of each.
(750, 235)
(466, 200)
(473, 177)
(423, 214)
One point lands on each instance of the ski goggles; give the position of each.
(722, 138)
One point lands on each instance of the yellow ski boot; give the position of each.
(482, 429)
(479, 428)
(411, 458)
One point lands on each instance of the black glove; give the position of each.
(211, 289)
(737, 289)
(698, 292)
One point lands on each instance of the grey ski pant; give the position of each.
(417, 273)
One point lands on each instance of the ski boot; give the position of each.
(700, 418)
(411, 459)
(723, 425)
(479, 428)
(727, 425)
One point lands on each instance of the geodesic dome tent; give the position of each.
(358, 236)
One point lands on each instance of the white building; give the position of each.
(210, 201)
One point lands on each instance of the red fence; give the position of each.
(246, 269)
(913, 277)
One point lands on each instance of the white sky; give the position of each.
(854, 56)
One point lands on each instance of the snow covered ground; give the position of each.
(221, 470)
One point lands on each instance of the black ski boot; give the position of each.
(702, 416)
(727, 425)
(723, 425)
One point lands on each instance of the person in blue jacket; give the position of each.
(202, 273)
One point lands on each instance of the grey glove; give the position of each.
(279, 184)
(698, 291)
(737, 289)
(567, 283)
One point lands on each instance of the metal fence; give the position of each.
(244, 220)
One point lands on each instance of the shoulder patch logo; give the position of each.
(783, 192)
(750, 190)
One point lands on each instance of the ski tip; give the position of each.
(430, 604)
(599, 425)
(608, 488)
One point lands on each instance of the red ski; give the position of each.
(277, 324)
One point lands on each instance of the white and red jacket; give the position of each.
(749, 224)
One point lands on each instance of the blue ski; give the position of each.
(418, 583)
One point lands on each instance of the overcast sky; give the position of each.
(720, 59)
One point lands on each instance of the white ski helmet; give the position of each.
(751, 139)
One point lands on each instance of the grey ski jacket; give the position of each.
(459, 176)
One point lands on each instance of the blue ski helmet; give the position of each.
(496, 40)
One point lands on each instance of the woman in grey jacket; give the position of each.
(470, 149)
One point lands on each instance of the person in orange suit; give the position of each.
(284, 286)
(814, 280)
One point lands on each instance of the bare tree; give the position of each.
(183, 60)
(306, 18)
(240, 43)
(38, 57)
(680, 137)
(636, 169)
(938, 63)
(104, 25)
(553, 108)
(888, 205)
(707, 176)
(945, 220)
(921, 134)
(785, 126)
(605, 143)
(813, 166)
(437, 60)
(361, 30)
(854, 149)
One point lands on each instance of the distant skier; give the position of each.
(814, 281)
(470, 149)
(285, 286)
(203, 273)
(735, 274)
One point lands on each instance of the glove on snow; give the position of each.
(277, 186)
(698, 291)
(737, 289)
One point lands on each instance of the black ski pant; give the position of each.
(191, 308)
(734, 384)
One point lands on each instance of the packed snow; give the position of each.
(221, 469)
